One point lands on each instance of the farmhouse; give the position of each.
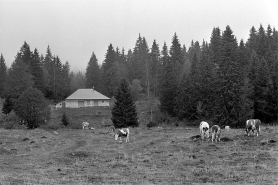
(86, 98)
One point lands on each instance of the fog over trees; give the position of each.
(224, 80)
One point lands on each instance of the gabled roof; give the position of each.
(86, 94)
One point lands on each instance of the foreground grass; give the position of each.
(154, 156)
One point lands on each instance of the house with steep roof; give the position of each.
(86, 98)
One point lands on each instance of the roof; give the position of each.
(87, 94)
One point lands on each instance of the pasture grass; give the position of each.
(153, 156)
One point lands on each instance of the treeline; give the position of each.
(222, 80)
(30, 69)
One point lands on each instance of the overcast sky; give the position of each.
(75, 29)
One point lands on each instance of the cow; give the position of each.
(227, 128)
(121, 133)
(204, 129)
(85, 125)
(253, 124)
(215, 133)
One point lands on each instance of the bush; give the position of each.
(32, 108)
(65, 120)
(13, 125)
(52, 126)
(151, 124)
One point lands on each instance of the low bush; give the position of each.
(13, 125)
(151, 124)
(52, 126)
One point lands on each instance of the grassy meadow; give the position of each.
(158, 155)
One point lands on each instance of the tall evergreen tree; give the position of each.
(215, 41)
(32, 107)
(262, 90)
(3, 75)
(154, 67)
(36, 71)
(25, 54)
(65, 80)
(228, 107)
(124, 111)
(168, 84)
(19, 79)
(93, 73)
(252, 42)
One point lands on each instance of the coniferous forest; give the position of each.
(224, 80)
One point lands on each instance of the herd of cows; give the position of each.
(251, 125)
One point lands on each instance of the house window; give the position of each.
(88, 102)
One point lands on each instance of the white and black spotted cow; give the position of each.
(122, 133)
(204, 129)
(215, 133)
(252, 125)
(85, 125)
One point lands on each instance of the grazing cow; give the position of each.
(253, 124)
(85, 125)
(112, 129)
(216, 131)
(227, 128)
(121, 133)
(204, 129)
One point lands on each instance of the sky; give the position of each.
(74, 29)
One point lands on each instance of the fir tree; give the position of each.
(168, 84)
(215, 41)
(7, 106)
(228, 106)
(36, 71)
(154, 67)
(32, 107)
(19, 79)
(93, 73)
(262, 89)
(3, 75)
(65, 120)
(124, 111)
(107, 71)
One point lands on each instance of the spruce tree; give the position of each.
(3, 75)
(36, 71)
(215, 41)
(124, 111)
(19, 79)
(262, 92)
(7, 106)
(154, 67)
(32, 107)
(93, 73)
(228, 106)
(107, 78)
(168, 84)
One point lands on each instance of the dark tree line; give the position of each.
(223, 80)
(30, 69)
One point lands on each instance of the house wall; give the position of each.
(103, 103)
(71, 104)
(87, 103)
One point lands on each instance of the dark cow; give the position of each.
(215, 131)
(252, 125)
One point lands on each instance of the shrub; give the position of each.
(65, 120)
(32, 108)
(151, 124)
(13, 125)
